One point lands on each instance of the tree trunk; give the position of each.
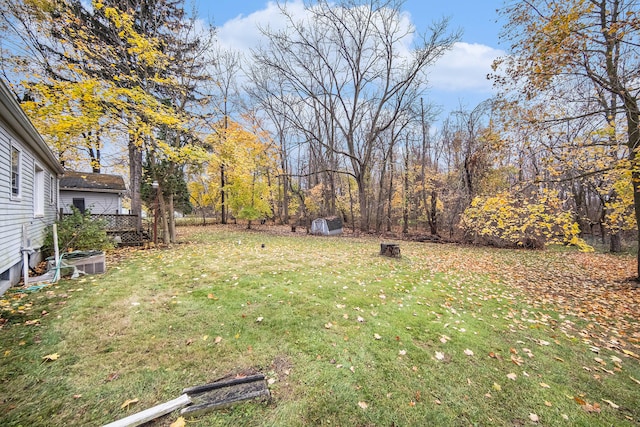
(223, 214)
(353, 217)
(380, 204)
(164, 218)
(633, 133)
(285, 195)
(636, 204)
(390, 196)
(135, 177)
(172, 221)
(405, 196)
(433, 213)
(364, 208)
(615, 243)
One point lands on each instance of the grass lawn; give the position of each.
(446, 335)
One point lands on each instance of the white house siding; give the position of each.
(17, 213)
(97, 203)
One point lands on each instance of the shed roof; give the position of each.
(333, 223)
(96, 182)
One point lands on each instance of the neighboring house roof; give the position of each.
(93, 182)
(18, 121)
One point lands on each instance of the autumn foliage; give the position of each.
(516, 220)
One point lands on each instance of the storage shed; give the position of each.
(101, 193)
(330, 226)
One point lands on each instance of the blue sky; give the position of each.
(459, 78)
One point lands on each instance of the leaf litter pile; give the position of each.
(445, 335)
(596, 288)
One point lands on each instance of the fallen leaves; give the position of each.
(125, 405)
(51, 357)
(468, 352)
(180, 422)
(363, 405)
(588, 407)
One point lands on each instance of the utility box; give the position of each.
(89, 262)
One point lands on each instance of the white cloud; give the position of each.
(243, 32)
(464, 68)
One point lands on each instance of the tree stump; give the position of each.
(390, 249)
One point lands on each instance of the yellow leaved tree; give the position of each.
(511, 219)
(249, 165)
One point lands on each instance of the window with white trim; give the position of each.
(16, 156)
(38, 191)
(52, 190)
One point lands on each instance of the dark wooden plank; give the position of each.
(221, 384)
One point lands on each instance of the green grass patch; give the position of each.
(345, 336)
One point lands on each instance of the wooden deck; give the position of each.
(122, 228)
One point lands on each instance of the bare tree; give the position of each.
(348, 63)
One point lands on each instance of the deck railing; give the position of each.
(115, 222)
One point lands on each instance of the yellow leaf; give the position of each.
(51, 357)
(534, 418)
(613, 405)
(545, 385)
(128, 402)
(497, 387)
(180, 422)
(363, 405)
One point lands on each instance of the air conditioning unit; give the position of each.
(87, 262)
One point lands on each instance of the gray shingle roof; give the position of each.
(92, 182)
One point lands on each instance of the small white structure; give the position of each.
(330, 226)
(100, 193)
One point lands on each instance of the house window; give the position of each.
(79, 204)
(52, 190)
(15, 172)
(38, 191)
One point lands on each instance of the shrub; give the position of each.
(78, 231)
(516, 220)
